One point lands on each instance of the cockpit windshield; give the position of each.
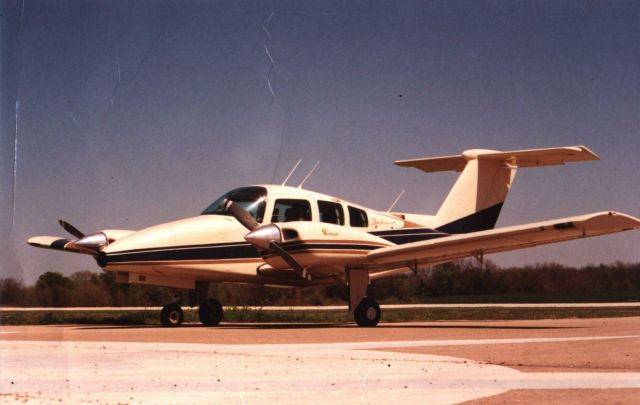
(252, 199)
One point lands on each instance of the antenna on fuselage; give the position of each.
(395, 201)
(309, 174)
(291, 172)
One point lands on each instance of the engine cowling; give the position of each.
(314, 245)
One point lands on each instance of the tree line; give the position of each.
(463, 278)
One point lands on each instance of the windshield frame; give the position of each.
(252, 198)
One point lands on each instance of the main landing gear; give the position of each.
(366, 311)
(209, 309)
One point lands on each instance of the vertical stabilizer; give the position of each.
(475, 201)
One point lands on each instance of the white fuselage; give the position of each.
(213, 248)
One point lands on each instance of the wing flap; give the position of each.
(455, 247)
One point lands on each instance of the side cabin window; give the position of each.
(358, 218)
(287, 210)
(331, 212)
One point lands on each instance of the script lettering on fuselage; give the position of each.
(327, 232)
(385, 223)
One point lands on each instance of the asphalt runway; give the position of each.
(569, 361)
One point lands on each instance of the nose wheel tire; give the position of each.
(171, 315)
(367, 313)
(210, 312)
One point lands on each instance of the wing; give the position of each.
(87, 244)
(455, 247)
(55, 243)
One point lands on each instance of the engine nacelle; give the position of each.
(314, 244)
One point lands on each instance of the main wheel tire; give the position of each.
(171, 315)
(367, 313)
(210, 312)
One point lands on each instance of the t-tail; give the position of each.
(475, 201)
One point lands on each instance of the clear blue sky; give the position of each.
(134, 113)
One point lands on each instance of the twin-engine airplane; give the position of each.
(285, 236)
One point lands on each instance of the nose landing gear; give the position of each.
(171, 315)
(209, 309)
(210, 312)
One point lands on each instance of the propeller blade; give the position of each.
(71, 229)
(267, 237)
(241, 215)
(288, 258)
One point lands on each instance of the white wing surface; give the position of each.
(87, 244)
(55, 243)
(455, 247)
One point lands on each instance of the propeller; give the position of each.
(71, 229)
(89, 244)
(264, 237)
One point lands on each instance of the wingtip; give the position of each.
(35, 241)
(584, 149)
(48, 242)
(612, 220)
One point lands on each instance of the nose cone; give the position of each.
(263, 236)
(93, 241)
(91, 244)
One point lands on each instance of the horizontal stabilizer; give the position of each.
(516, 158)
(449, 248)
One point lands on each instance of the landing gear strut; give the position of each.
(209, 309)
(366, 311)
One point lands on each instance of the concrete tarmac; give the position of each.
(568, 361)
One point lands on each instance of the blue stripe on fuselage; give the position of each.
(225, 251)
(198, 252)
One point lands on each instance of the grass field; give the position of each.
(242, 314)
